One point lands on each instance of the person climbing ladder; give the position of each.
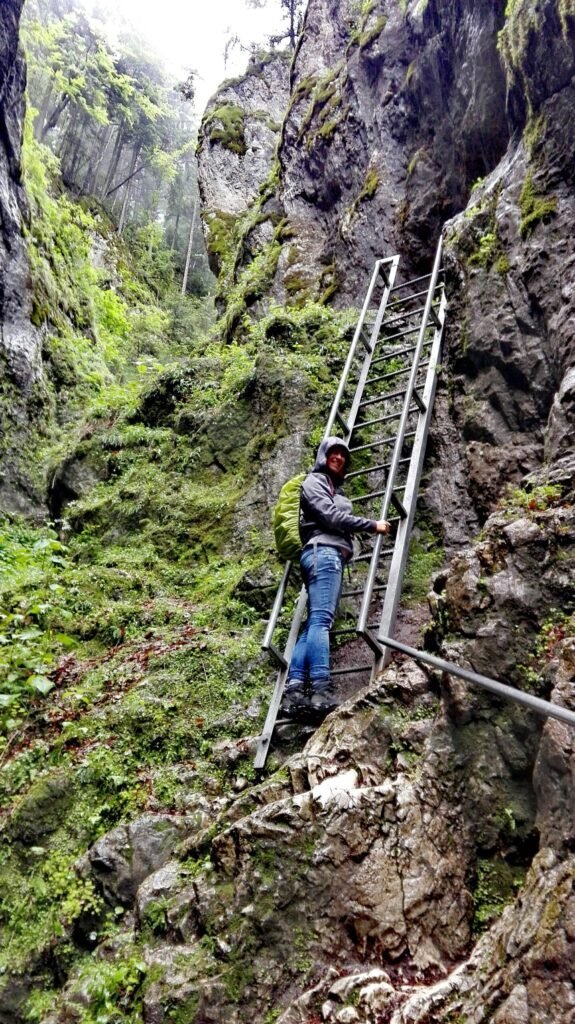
(326, 525)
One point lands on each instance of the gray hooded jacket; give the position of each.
(326, 515)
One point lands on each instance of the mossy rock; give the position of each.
(42, 810)
(534, 207)
(226, 125)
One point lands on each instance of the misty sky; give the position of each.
(191, 34)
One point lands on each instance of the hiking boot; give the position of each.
(295, 687)
(295, 696)
(323, 699)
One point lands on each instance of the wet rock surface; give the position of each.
(20, 360)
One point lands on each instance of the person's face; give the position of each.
(336, 461)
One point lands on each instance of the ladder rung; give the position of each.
(382, 398)
(349, 671)
(402, 352)
(402, 316)
(374, 469)
(402, 334)
(414, 280)
(394, 373)
(407, 298)
(381, 419)
(356, 593)
(370, 494)
(386, 553)
(349, 630)
(379, 440)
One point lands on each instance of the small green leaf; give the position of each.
(65, 640)
(40, 683)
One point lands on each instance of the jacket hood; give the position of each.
(323, 451)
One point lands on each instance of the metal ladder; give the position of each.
(390, 371)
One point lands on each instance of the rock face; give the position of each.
(396, 111)
(239, 134)
(393, 113)
(20, 363)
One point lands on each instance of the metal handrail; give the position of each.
(542, 707)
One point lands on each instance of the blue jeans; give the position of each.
(322, 571)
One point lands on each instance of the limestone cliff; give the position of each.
(20, 363)
(239, 136)
(402, 116)
(394, 115)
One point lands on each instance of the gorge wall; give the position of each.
(395, 113)
(405, 119)
(20, 359)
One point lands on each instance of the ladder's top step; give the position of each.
(414, 280)
(406, 298)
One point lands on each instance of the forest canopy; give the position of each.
(123, 132)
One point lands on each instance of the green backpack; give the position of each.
(285, 519)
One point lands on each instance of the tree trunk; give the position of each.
(189, 252)
(54, 116)
(78, 136)
(114, 159)
(102, 142)
(128, 180)
(176, 228)
(43, 112)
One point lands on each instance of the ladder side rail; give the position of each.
(405, 526)
(542, 707)
(277, 607)
(267, 731)
(364, 374)
(397, 449)
(393, 261)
